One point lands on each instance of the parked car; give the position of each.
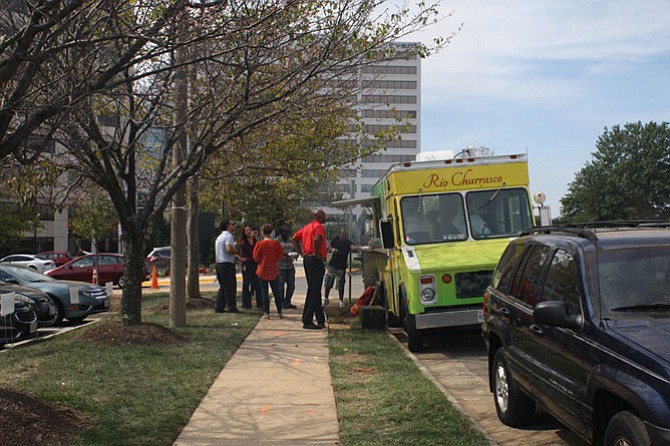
(92, 298)
(59, 257)
(19, 324)
(577, 320)
(44, 306)
(110, 269)
(31, 261)
(160, 258)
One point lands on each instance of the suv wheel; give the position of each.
(513, 406)
(625, 429)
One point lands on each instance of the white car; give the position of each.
(31, 261)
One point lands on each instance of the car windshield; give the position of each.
(635, 280)
(26, 274)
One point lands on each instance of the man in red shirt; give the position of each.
(310, 243)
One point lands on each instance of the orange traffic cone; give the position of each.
(94, 277)
(154, 279)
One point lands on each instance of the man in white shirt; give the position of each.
(226, 253)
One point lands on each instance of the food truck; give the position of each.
(443, 225)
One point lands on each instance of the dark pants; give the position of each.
(314, 271)
(265, 297)
(249, 283)
(227, 295)
(286, 281)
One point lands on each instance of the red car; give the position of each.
(110, 269)
(59, 257)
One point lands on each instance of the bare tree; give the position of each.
(256, 62)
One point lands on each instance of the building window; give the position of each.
(387, 99)
(391, 69)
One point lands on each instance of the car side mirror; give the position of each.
(11, 280)
(555, 312)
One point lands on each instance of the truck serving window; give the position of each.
(498, 213)
(433, 218)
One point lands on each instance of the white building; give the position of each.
(391, 89)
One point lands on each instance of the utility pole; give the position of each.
(178, 214)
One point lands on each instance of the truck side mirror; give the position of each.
(386, 230)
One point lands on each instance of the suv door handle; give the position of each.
(536, 329)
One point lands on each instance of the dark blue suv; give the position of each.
(577, 320)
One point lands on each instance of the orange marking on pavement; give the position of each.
(296, 363)
(264, 410)
(276, 333)
(310, 412)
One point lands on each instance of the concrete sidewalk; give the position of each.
(276, 390)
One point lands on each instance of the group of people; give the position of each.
(268, 264)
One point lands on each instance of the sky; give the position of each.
(545, 78)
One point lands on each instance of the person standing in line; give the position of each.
(250, 283)
(340, 248)
(286, 267)
(310, 243)
(226, 253)
(267, 253)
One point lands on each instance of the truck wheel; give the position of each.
(625, 429)
(392, 320)
(414, 337)
(514, 408)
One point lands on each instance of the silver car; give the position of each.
(91, 298)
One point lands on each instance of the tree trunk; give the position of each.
(134, 273)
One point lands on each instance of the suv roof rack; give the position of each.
(589, 230)
(570, 229)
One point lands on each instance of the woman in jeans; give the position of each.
(267, 253)
(250, 282)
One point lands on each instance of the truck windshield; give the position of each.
(498, 213)
(433, 218)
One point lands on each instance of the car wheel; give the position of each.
(33, 267)
(120, 282)
(625, 429)
(414, 337)
(60, 311)
(514, 407)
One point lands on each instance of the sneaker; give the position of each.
(325, 302)
(341, 304)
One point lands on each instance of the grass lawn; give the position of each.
(144, 395)
(136, 395)
(383, 398)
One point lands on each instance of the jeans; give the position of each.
(227, 295)
(250, 283)
(265, 298)
(286, 281)
(314, 270)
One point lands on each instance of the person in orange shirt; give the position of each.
(267, 253)
(310, 243)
